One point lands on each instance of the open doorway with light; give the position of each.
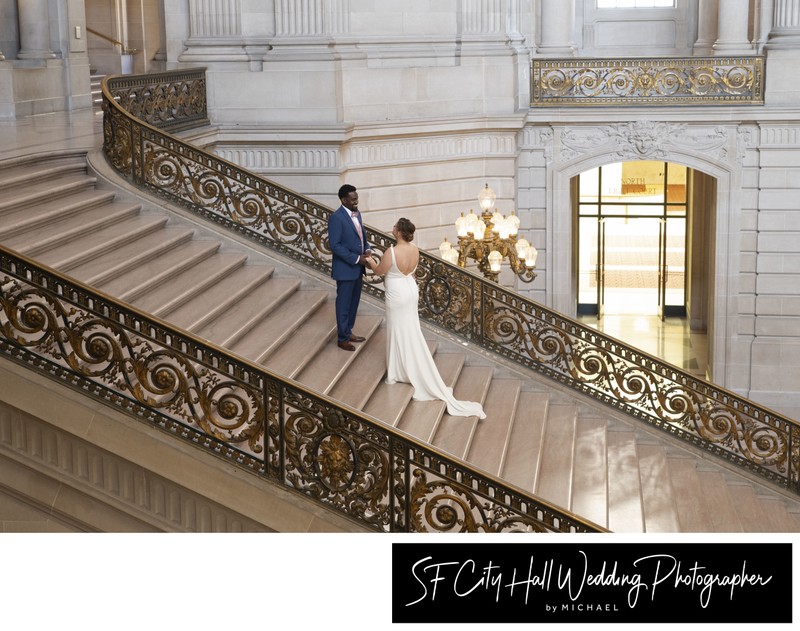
(642, 258)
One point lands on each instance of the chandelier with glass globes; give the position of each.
(488, 239)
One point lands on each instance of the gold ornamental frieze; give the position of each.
(634, 81)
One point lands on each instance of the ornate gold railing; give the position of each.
(462, 303)
(648, 81)
(246, 415)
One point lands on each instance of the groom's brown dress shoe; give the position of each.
(346, 346)
(357, 338)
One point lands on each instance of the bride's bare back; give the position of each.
(406, 256)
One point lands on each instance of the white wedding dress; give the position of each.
(408, 359)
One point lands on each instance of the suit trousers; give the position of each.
(348, 295)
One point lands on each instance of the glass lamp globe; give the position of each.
(486, 198)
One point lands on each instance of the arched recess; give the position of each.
(710, 150)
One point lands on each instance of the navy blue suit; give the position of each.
(347, 248)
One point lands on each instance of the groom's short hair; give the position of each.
(345, 190)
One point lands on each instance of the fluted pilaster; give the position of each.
(311, 17)
(215, 18)
(785, 31)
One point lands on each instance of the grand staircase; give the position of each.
(538, 436)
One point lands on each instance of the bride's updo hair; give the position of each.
(406, 229)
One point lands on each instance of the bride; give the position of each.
(408, 359)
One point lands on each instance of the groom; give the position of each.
(348, 242)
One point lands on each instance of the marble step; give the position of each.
(229, 326)
(590, 475)
(332, 362)
(625, 510)
(691, 508)
(314, 332)
(522, 459)
(166, 297)
(45, 213)
(276, 326)
(24, 172)
(554, 482)
(490, 443)
(658, 501)
(454, 434)
(420, 418)
(35, 192)
(65, 256)
(36, 239)
(388, 402)
(221, 297)
(358, 383)
(137, 256)
(131, 282)
(720, 507)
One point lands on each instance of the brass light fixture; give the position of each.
(489, 239)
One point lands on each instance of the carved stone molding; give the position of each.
(110, 480)
(279, 158)
(643, 140)
(427, 149)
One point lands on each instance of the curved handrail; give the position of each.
(462, 303)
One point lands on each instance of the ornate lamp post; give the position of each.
(488, 240)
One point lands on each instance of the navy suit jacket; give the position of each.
(345, 245)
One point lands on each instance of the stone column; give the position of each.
(34, 30)
(785, 31)
(732, 27)
(215, 18)
(706, 27)
(558, 17)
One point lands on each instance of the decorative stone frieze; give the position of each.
(643, 140)
(276, 158)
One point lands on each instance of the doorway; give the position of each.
(632, 220)
(640, 257)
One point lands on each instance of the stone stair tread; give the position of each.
(220, 297)
(492, 435)
(136, 281)
(16, 220)
(313, 333)
(554, 481)
(229, 327)
(625, 512)
(331, 361)
(721, 509)
(778, 518)
(691, 508)
(750, 510)
(590, 475)
(138, 257)
(167, 296)
(15, 175)
(454, 434)
(521, 462)
(97, 242)
(660, 511)
(388, 401)
(33, 193)
(356, 386)
(421, 417)
(36, 238)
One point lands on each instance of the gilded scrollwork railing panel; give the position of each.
(465, 304)
(648, 81)
(244, 414)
